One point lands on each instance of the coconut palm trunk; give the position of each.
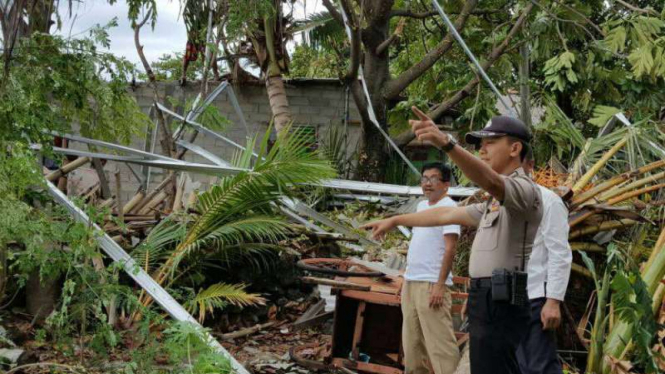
(279, 104)
(274, 66)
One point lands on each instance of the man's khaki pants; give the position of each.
(427, 334)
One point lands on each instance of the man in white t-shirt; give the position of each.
(428, 337)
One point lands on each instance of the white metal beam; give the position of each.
(159, 294)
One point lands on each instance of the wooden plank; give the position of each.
(376, 266)
(132, 203)
(358, 330)
(180, 190)
(67, 168)
(312, 321)
(388, 285)
(366, 367)
(336, 284)
(459, 295)
(372, 297)
(118, 197)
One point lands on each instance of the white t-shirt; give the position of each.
(426, 249)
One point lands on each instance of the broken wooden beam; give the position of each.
(605, 226)
(68, 168)
(587, 247)
(312, 321)
(180, 190)
(148, 198)
(133, 217)
(133, 202)
(118, 197)
(579, 269)
(152, 204)
(106, 203)
(336, 284)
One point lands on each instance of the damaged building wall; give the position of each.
(319, 103)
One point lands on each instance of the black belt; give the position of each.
(485, 282)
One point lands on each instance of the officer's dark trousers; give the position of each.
(537, 353)
(495, 332)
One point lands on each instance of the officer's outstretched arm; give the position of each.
(479, 172)
(440, 216)
(472, 167)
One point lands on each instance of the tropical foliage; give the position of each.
(233, 221)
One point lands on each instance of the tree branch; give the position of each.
(166, 139)
(405, 137)
(585, 18)
(557, 18)
(352, 74)
(410, 14)
(638, 9)
(397, 85)
(398, 32)
(333, 11)
(360, 100)
(494, 55)
(139, 47)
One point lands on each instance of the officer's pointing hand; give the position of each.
(379, 228)
(425, 129)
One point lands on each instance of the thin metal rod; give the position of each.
(203, 153)
(236, 106)
(472, 57)
(341, 184)
(153, 144)
(202, 129)
(131, 151)
(171, 164)
(195, 113)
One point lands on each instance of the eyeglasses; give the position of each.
(432, 180)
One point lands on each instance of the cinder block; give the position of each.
(310, 109)
(319, 101)
(300, 100)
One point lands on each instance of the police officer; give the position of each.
(507, 224)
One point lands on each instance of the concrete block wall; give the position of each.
(319, 103)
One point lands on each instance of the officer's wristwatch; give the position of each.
(450, 145)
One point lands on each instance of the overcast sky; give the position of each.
(168, 36)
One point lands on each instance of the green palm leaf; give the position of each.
(239, 212)
(163, 237)
(253, 229)
(219, 296)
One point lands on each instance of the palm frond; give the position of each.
(334, 148)
(287, 163)
(218, 296)
(239, 209)
(560, 130)
(321, 29)
(253, 229)
(312, 21)
(162, 238)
